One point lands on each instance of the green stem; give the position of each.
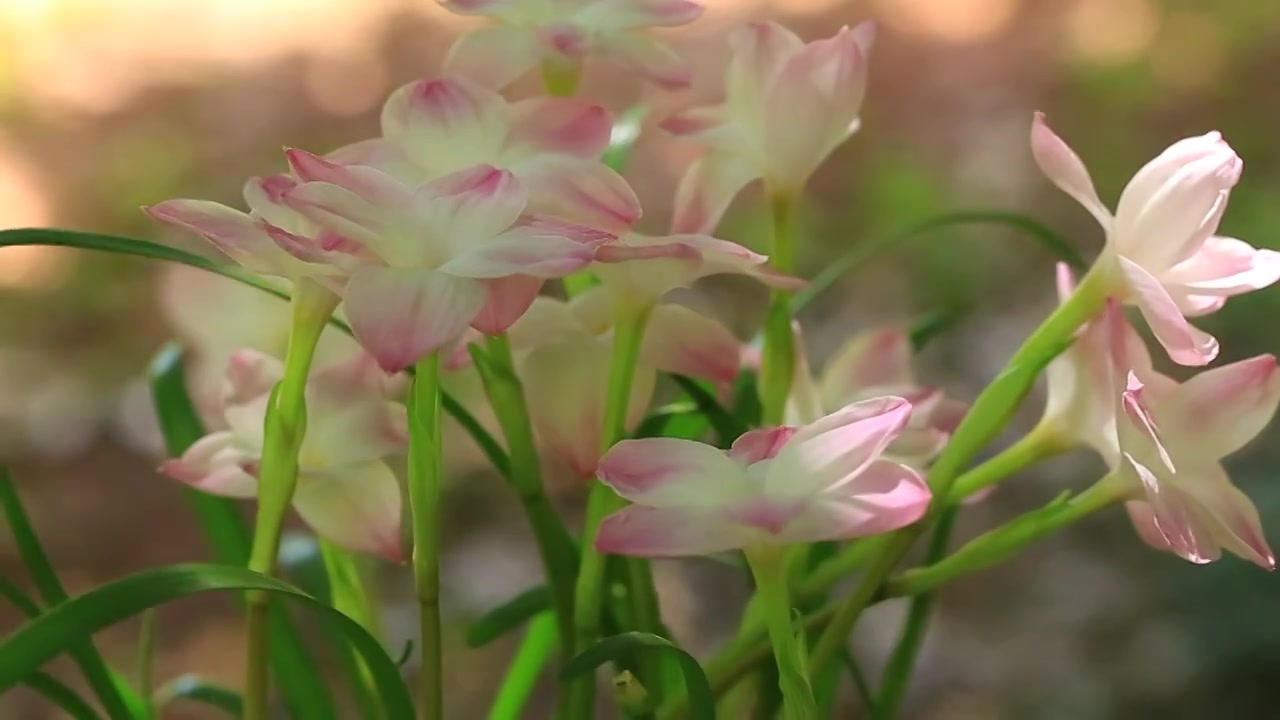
(988, 416)
(285, 427)
(425, 448)
(555, 546)
(778, 361)
(146, 662)
(535, 650)
(560, 76)
(768, 566)
(1043, 442)
(348, 595)
(628, 333)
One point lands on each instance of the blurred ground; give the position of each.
(105, 106)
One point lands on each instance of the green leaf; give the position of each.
(859, 253)
(196, 689)
(746, 399)
(18, 599)
(509, 616)
(535, 651)
(931, 326)
(59, 629)
(156, 251)
(60, 695)
(626, 131)
(727, 427)
(702, 704)
(50, 589)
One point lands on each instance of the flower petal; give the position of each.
(1223, 408)
(759, 52)
(357, 507)
(219, 464)
(1223, 267)
(648, 57)
(535, 250)
(581, 191)
(679, 340)
(400, 316)
(250, 375)
(1064, 168)
(369, 183)
(622, 14)
(547, 320)
(1173, 524)
(559, 125)
(706, 190)
(1232, 518)
(671, 472)
(1186, 344)
(234, 233)
(507, 299)
(446, 124)
(832, 451)
(867, 360)
(467, 208)
(494, 56)
(670, 532)
(754, 446)
(885, 497)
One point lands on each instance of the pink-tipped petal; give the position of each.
(369, 183)
(580, 191)
(1173, 523)
(507, 299)
(1064, 168)
(494, 56)
(679, 340)
(759, 52)
(706, 122)
(219, 464)
(832, 451)
(917, 446)
(878, 358)
(670, 532)
(446, 124)
(523, 250)
(234, 233)
(886, 496)
(565, 383)
(566, 126)
(1232, 518)
(400, 316)
(1223, 408)
(649, 58)
(761, 444)
(357, 507)
(1224, 267)
(1186, 344)
(670, 472)
(706, 190)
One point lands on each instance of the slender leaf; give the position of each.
(156, 251)
(61, 695)
(50, 589)
(196, 689)
(509, 616)
(536, 648)
(856, 255)
(702, 704)
(727, 427)
(18, 599)
(746, 399)
(931, 326)
(59, 629)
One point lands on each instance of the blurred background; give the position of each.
(108, 105)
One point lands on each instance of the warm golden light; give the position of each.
(1112, 31)
(955, 21)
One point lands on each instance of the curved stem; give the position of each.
(284, 430)
(778, 360)
(768, 566)
(425, 448)
(1042, 443)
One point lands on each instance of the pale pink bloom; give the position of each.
(875, 364)
(1162, 250)
(775, 486)
(787, 106)
(564, 353)
(346, 492)
(438, 257)
(562, 33)
(640, 269)
(434, 127)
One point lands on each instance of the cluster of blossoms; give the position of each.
(439, 236)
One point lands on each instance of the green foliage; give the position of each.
(702, 704)
(193, 688)
(508, 616)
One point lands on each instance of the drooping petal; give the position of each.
(832, 451)
(706, 190)
(581, 191)
(1231, 517)
(234, 233)
(1221, 409)
(507, 299)
(357, 507)
(623, 14)
(371, 184)
(639, 531)
(250, 375)
(870, 359)
(679, 340)
(219, 464)
(1223, 267)
(566, 126)
(884, 497)
(446, 124)
(400, 316)
(1186, 344)
(1064, 168)
(648, 57)
(494, 56)
(671, 472)
(1173, 524)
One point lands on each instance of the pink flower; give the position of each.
(788, 105)
(563, 356)
(431, 128)
(640, 269)
(874, 364)
(776, 486)
(1161, 244)
(345, 491)
(438, 257)
(526, 34)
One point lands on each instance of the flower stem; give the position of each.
(425, 449)
(778, 361)
(284, 430)
(1042, 443)
(535, 650)
(768, 566)
(988, 416)
(349, 596)
(628, 333)
(555, 545)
